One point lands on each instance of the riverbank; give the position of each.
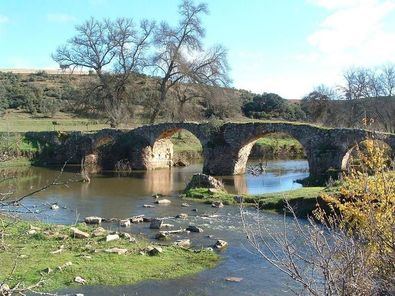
(303, 200)
(53, 256)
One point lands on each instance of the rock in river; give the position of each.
(163, 201)
(124, 223)
(156, 224)
(220, 244)
(182, 216)
(193, 228)
(183, 243)
(204, 181)
(93, 220)
(217, 204)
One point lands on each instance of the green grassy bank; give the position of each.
(303, 200)
(27, 258)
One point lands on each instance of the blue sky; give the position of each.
(282, 46)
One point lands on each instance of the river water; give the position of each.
(123, 195)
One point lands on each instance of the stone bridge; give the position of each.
(225, 147)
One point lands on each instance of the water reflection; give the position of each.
(116, 195)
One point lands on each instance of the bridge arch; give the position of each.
(352, 158)
(242, 137)
(157, 151)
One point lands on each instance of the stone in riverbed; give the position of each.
(182, 216)
(76, 233)
(54, 207)
(220, 244)
(162, 236)
(193, 228)
(163, 201)
(183, 243)
(112, 237)
(234, 279)
(157, 195)
(204, 181)
(137, 219)
(93, 220)
(156, 223)
(185, 205)
(217, 204)
(124, 223)
(148, 206)
(147, 219)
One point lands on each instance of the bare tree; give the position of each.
(320, 259)
(180, 57)
(114, 50)
(387, 78)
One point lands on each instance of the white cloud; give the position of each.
(355, 32)
(60, 17)
(4, 19)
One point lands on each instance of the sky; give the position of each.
(282, 46)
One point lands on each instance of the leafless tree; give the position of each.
(114, 50)
(181, 58)
(387, 78)
(321, 259)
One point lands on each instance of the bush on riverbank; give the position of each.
(27, 259)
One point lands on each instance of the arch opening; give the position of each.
(352, 160)
(255, 154)
(271, 162)
(176, 147)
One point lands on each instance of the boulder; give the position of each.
(154, 250)
(147, 219)
(125, 235)
(183, 243)
(76, 233)
(193, 228)
(182, 216)
(185, 205)
(234, 279)
(163, 201)
(112, 237)
(99, 231)
(217, 204)
(220, 244)
(93, 220)
(137, 219)
(162, 236)
(118, 251)
(156, 223)
(79, 280)
(124, 223)
(204, 181)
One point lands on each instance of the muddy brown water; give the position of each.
(123, 195)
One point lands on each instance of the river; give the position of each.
(123, 195)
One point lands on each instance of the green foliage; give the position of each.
(272, 106)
